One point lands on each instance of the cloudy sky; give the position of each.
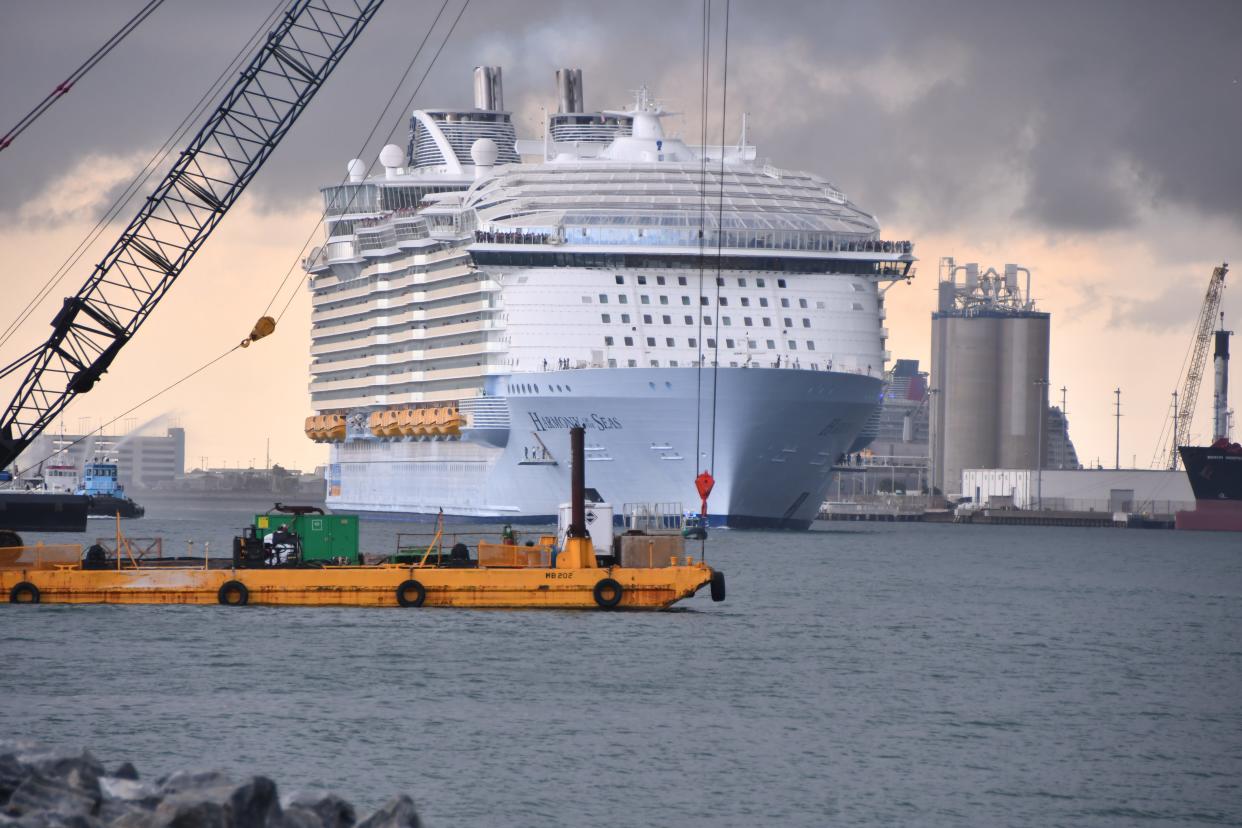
(1095, 143)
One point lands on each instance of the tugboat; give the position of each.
(106, 496)
(693, 527)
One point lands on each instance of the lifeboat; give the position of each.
(389, 426)
(452, 423)
(406, 422)
(334, 427)
(311, 428)
(374, 422)
(419, 421)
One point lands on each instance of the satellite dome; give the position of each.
(356, 169)
(484, 152)
(392, 156)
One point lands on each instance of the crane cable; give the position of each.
(724, 111)
(142, 176)
(64, 86)
(383, 113)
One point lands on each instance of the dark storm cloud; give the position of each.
(1065, 116)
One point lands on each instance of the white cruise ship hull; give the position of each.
(777, 433)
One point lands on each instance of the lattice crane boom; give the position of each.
(1198, 359)
(92, 326)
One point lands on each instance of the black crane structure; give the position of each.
(93, 326)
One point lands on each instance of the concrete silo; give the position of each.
(989, 373)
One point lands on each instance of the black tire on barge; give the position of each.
(233, 594)
(9, 538)
(411, 594)
(718, 585)
(24, 593)
(608, 593)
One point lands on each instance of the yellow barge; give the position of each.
(502, 575)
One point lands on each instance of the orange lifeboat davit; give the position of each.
(421, 417)
(406, 422)
(311, 428)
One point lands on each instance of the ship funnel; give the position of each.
(1220, 358)
(569, 90)
(488, 94)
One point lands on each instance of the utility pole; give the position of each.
(1042, 385)
(1064, 428)
(1117, 463)
(1174, 454)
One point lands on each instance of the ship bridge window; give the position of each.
(741, 283)
(605, 318)
(746, 301)
(724, 320)
(802, 303)
(586, 300)
(642, 280)
(793, 346)
(623, 299)
(645, 299)
(681, 280)
(603, 298)
(663, 300)
(857, 287)
(655, 363)
(724, 300)
(784, 302)
(612, 363)
(806, 323)
(608, 340)
(659, 280)
(729, 343)
(707, 320)
(689, 320)
(625, 319)
(819, 306)
(750, 343)
(767, 322)
(631, 363)
(771, 345)
(629, 340)
(763, 302)
(651, 385)
(780, 283)
(711, 343)
(702, 300)
(669, 342)
(685, 300)
(651, 342)
(693, 342)
(788, 322)
(719, 281)
(620, 280)
(568, 390)
(666, 319)
(760, 283)
(856, 306)
(672, 363)
(646, 319)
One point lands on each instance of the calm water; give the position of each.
(857, 675)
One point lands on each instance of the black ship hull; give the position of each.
(109, 506)
(1215, 475)
(43, 512)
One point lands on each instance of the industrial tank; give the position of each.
(968, 376)
(1023, 384)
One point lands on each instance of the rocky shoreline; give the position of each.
(43, 787)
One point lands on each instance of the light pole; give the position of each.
(1042, 385)
(1117, 463)
(933, 439)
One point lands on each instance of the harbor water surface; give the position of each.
(858, 674)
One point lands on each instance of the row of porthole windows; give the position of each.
(644, 299)
(533, 388)
(692, 342)
(747, 321)
(672, 363)
(720, 281)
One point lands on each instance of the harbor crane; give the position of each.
(287, 69)
(1198, 358)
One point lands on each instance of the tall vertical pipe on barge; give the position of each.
(1220, 358)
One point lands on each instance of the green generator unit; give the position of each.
(327, 538)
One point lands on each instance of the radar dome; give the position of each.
(392, 156)
(484, 152)
(356, 169)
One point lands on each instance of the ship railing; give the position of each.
(652, 518)
(134, 549)
(41, 556)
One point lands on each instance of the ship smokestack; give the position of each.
(488, 94)
(577, 477)
(569, 90)
(1220, 358)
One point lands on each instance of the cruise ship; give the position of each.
(693, 307)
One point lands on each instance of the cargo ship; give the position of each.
(691, 306)
(1215, 471)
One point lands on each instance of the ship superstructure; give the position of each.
(483, 294)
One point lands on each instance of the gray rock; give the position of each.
(187, 812)
(331, 811)
(47, 819)
(397, 812)
(12, 773)
(194, 781)
(46, 793)
(255, 804)
(125, 770)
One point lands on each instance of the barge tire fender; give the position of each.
(24, 593)
(411, 586)
(608, 593)
(233, 589)
(718, 585)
